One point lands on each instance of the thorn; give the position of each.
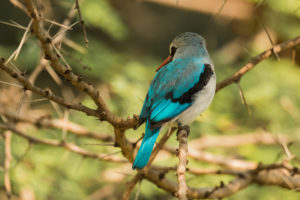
(272, 43)
(48, 40)
(47, 92)
(161, 176)
(240, 175)
(241, 93)
(295, 170)
(67, 71)
(14, 75)
(33, 15)
(177, 152)
(79, 78)
(259, 166)
(222, 184)
(47, 57)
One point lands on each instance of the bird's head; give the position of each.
(185, 45)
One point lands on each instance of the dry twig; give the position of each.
(86, 41)
(7, 163)
(254, 61)
(130, 185)
(69, 146)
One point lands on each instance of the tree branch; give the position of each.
(257, 59)
(66, 72)
(216, 159)
(265, 175)
(48, 122)
(45, 93)
(260, 137)
(69, 146)
(182, 137)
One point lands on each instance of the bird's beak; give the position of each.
(168, 59)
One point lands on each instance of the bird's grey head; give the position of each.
(188, 44)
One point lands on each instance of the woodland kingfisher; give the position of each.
(183, 88)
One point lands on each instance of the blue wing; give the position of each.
(171, 90)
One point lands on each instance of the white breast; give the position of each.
(202, 100)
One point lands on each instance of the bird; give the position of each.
(183, 87)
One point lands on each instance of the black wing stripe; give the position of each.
(187, 96)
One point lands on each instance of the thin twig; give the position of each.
(11, 84)
(242, 95)
(259, 137)
(221, 8)
(228, 162)
(64, 129)
(130, 186)
(86, 41)
(19, 5)
(48, 122)
(7, 163)
(13, 25)
(259, 3)
(271, 41)
(57, 24)
(23, 40)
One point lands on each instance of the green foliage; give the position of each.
(100, 14)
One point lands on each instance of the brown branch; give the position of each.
(45, 93)
(43, 62)
(199, 171)
(203, 171)
(254, 61)
(265, 175)
(7, 163)
(125, 145)
(261, 137)
(66, 72)
(217, 159)
(69, 146)
(48, 122)
(158, 178)
(182, 137)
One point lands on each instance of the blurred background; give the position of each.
(127, 41)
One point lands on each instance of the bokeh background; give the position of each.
(127, 42)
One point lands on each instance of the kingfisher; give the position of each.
(183, 88)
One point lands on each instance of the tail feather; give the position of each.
(146, 147)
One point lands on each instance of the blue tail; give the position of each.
(146, 147)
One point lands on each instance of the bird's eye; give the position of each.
(173, 51)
